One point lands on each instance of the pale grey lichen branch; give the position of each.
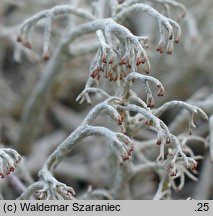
(163, 22)
(192, 109)
(162, 190)
(151, 119)
(175, 165)
(108, 55)
(119, 50)
(27, 26)
(120, 143)
(181, 172)
(31, 190)
(106, 105)
(9, 158)
(144, 79)
(177, 155)
(47, 34)
(206, 105)
(133, 97)
(185, 139)
(165, 3)
(84, 94)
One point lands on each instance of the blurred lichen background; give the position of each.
(35, 122)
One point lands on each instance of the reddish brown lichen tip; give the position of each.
(158, 142)
(177, 40)
(161, 92)
(46, 55)
(19, 39)
(28, 45)
(169, 52)
(173, 174)
(151, 104)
